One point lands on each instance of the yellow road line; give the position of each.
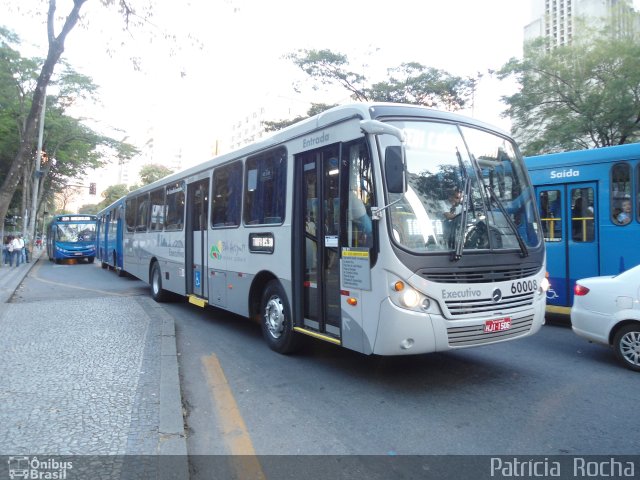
(232, 427)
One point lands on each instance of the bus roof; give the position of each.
(617, 153)
(327, 118)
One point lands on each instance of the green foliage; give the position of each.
(411, 83)
(152, 172)
(71, 147)
(582, 95)
(417, 84)
(315, 109)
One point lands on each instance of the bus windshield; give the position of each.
(76, 232)
(467, 190)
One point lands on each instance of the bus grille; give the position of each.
(480, 275)
(474, 335)
(487, 305)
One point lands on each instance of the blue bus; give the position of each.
(590, 212)
(109, 237)
(72, 236)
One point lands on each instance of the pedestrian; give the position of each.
(7, 250)
(24, 255)
(16, 250)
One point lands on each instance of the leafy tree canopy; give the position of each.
(582, 95)
(151, 172)
(411, 83)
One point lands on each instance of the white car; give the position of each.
(607, 310)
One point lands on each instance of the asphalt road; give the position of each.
(550, 394)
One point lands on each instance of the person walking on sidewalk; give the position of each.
(7, 251)
(17, 245)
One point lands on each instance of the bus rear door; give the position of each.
(569, 223)
(196, 241)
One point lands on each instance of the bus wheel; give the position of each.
(277, 324)
(91, 259)
(119, 271)
(157, 292)
(626, 345)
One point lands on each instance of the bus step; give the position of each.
(196, 300)
(321, 336)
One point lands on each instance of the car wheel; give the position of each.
(277, 324)
(626, 345)
(157, 292)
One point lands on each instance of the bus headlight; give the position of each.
(405, 296)
(410, 298)
(544, 285)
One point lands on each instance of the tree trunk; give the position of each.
(56, 47)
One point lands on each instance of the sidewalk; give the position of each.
(94, 377)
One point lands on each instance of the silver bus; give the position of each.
(387, 229)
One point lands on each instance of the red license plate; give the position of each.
(499, 325)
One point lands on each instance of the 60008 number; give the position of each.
(524, 286)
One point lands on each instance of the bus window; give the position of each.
(359, 227)
(130, 214)
(175, 206)
(227, 199)
(638, 192)
(621, 207)
(158, 210)
(142, 217)
(582, 215)
(551, 215)
(265, 190)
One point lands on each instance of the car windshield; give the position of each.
(467, 190)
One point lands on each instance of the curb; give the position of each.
(11, 277)
(172, 439)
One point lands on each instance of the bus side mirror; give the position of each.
(395, 170)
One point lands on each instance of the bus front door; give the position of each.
(569, 224)
(320, 219)
(197, 241)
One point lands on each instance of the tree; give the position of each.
(70, 148)
(316, 108)
(56, 42)
(113, 193)
(417, 84)
(55, 49)
(151, 172)
(582, 95)
(411, 82)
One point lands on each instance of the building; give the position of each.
(557, 20)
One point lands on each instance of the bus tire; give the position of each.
(157, 292)
(276, 320)
(626, 345)
(91, 259)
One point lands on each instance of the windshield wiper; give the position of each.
(524, 251)
(466, 193)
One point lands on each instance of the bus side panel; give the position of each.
(168, 249)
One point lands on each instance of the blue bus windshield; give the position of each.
(76, 232)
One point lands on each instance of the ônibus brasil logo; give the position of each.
(34, 468)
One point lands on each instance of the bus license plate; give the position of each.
(499, 325)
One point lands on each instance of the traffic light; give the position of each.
(92, 189)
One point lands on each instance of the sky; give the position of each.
(186, 99)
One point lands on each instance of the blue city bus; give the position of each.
(589, 207)
(72, 236)
(109, 237)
